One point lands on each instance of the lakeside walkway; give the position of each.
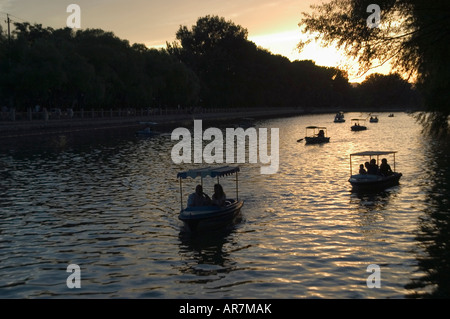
(31, 126)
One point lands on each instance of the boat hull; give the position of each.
(317, 140)
(368, 183)
(210, 217)
(358, 128)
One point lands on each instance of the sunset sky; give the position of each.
(272, 24)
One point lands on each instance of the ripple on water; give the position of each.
(111, 206)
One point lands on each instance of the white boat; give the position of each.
(210, 217)
(316, 135)
(373, 182)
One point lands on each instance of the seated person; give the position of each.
(321, 133)
(219, 197)
(385, 168)
(199, 198)
(373, 168)
(362, 171)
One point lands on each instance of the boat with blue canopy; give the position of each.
(209, 217)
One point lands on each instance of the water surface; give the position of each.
(110, 203)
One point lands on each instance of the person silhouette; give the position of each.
(219, 197)
(362, 170)
(373, 167)
(385, 168)
(199, 198)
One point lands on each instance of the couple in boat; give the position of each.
(199, 198)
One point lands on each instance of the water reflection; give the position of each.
(205, 254)
(433, 235)
(372, 202)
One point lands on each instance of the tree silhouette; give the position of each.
(413, 36)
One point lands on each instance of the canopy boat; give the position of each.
(339, 118)
(374, 119)
(316, 135)
(373, 182)
(391, 115)
(357, 125)
(209, 217)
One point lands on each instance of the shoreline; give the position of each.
(24, 128)
(28, 128)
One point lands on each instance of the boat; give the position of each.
(357, 125)
(147, 131)
(374, 119)
(372, 182)
(391, 115)
(339, 118)
(316, 135)
(210, 217)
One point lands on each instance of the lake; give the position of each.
(109, 202)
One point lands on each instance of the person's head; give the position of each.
(361, 166)
(384, 161)
(367, 164)
(373, 161)
(199, 189)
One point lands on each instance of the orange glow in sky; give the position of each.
(272, 24)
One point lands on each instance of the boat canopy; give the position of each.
(316, 127)
(209, 171)
(374, 153)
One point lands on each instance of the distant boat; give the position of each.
(146, 132)
(339, 118)
(316, 135)
(374, 119)
(372, 182)
(391, 115)
(357, 125)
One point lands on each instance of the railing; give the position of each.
(12, 115)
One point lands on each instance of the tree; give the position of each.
(88, 68)
(210, 48)
(413, 35)
(379, 91)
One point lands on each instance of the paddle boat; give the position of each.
(210, 217)
(316, 135)
(339, 118)
(357, 125)
(147, 131)
(373, 182)
(374, 119)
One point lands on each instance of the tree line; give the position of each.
(211, 65)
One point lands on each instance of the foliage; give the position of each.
(413, 36)
(88, 68)
(212, 64)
